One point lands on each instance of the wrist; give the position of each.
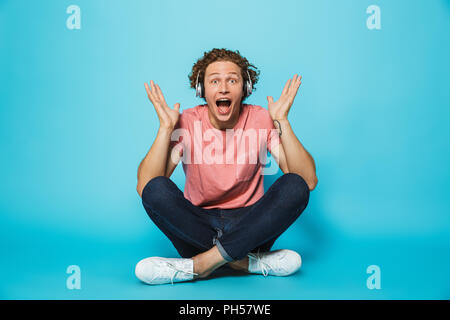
(165, 130)
(281, 120)
(281, 124)
(278, 116)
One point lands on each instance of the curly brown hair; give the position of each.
(214, 55)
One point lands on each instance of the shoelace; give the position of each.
(174, 274)
(265, 267)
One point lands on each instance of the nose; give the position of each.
(223, 87)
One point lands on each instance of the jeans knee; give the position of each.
(155, 192)
(298, 188)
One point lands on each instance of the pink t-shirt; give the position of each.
(223, 167)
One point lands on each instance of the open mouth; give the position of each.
(223, 106)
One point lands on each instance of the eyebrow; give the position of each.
(219, 73)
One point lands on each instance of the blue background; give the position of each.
(75, 121)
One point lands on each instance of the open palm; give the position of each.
(168, 117)
(279, 109)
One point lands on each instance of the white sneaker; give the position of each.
(157, 270)
(283, 262)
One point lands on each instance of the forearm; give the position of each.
(298, 160)
(154, 163)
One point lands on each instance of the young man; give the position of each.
(224, 216)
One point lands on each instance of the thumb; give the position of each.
(270, 99)
(176, 107)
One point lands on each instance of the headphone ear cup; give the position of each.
(199, 90)
(248, 88)
(248, 85)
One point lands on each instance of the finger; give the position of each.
(158, 92)
(286, 87)
(153, 98)
(147, 88)
(176, 107)
(149, 93)
(293, 83)
(270, 99)
(298, 82)
(160, 95)
(294, 90)
(152, 84)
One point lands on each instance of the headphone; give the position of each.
(200, 90)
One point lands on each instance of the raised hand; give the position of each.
(279, 109)
(168, 117)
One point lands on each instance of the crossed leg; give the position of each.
(185, 224)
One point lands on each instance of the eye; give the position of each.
(233, 81)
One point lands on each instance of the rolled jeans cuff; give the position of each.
(222, 251)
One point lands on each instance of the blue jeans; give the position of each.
(235, 232)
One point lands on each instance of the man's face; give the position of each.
(223, 81)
